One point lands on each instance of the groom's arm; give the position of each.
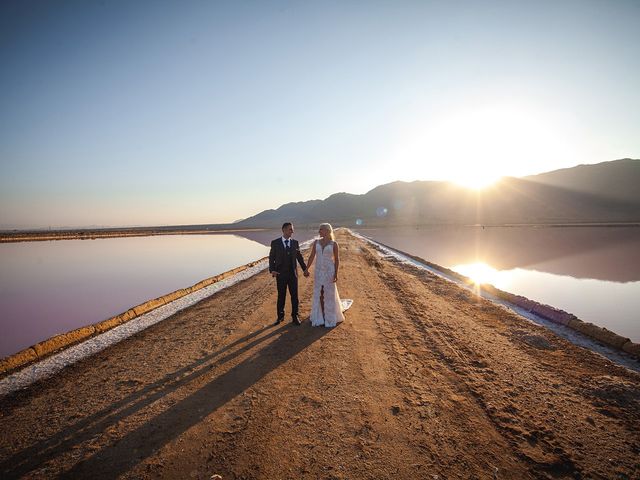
(272, 259)
(299, 257)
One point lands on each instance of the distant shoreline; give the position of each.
(92, 234)
(15, 236)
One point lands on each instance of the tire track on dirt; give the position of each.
(437, 401)
(508, 375)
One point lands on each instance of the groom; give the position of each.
(283, 267)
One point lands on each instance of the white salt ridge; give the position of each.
(563, 331)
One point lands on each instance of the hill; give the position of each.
(604, 192)
(618, 179)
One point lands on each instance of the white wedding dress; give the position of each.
(323, 280)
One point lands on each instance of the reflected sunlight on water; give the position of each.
(592, 272)
(481, 273)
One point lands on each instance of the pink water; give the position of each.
(52, 287)
(592, 272)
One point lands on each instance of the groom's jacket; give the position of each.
(283, 261)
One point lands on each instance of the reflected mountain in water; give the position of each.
(265, 237)
(601, 253)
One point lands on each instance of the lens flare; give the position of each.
(381, 211)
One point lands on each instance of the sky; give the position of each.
(120, 113)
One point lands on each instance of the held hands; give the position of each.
(306, 272)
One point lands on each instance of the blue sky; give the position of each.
(146, 113)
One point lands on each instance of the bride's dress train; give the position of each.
(324, 285)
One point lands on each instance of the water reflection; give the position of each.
(263, 237)
(481, 273)
(604, 253)
(592, 272)
(52, 287)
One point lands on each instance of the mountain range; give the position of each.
(598, 193)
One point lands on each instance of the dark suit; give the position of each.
(285, 262)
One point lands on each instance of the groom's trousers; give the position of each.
(284, 281)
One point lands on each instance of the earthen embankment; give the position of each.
(423, 380)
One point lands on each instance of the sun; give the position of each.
(477, 182)
(476, 145)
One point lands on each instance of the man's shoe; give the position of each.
(296, 320)
(279, 321)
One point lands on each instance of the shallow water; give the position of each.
(592, 272)
(52, 287)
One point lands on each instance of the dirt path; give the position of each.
(422, 381)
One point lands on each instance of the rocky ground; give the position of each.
(422, 380)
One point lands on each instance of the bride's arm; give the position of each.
(311, 256)
(336, 258)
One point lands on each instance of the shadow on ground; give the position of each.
(135, 446)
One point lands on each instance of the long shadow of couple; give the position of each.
(135, 446)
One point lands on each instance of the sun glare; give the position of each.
(476, 146)
(479, 272)
(478, 182)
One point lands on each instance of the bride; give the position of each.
(326, 308)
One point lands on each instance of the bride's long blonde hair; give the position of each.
(329, 228)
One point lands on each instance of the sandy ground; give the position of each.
(422, 381)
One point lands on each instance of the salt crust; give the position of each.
(561, 330)
(53, 364)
